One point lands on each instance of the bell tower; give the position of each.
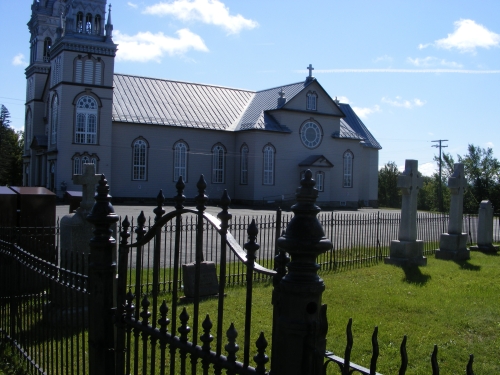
(69, 91)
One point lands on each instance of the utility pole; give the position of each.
(440, 146)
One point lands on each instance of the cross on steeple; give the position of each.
(88, 180)
(310, 68)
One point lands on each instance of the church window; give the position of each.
(78, 70)
(54, 119)
(88, 23)
(56, 70)
(320, 181)
(77, 167)
(34, 50)
(139, 162)
(47, 44)
(218, 164)
(29, 127)
(180, 161)
(244, 165)
(97, 24)
(311, 101)
(86, 120)
(310, 134)
(89, 72)
(79, 22)
(98, 72)
(31, 88)
(348, 156)
(268, 176)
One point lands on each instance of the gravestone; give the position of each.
(453, 245)
(76, 231)
(209, 285)
(485, 229)
(407, 250)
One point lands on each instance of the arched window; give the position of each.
(88, 70)
(244, 165)
(180, 161)
(311, 101)
(31, 88)
(218, 164)
(47, 44)
(88, 75)
(320, 181)
(54, 119)
(97, 24)
(88, 23)
(139, 160)
(77, 167)
(29, 129)
(268, 171)
(34, 50)
(86, 120)
(348, 156)
(79, 22)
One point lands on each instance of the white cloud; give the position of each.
(427, 169)
(212, 12)
(489, 144)
(342, 99)
(391, 70)
(384, 58)
(132, 5)
(468, 36)
(146, 46)
(433, 61)
(399, 102)
(363, 113)
(19, 60)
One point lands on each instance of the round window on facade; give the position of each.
(310, 134)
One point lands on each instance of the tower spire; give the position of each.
(109, 27)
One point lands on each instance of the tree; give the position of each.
(11, 151)
(482, 172)
(388, 193)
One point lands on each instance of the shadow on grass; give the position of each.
(465, 265)
(413, 275)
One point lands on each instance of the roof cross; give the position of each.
(310, 68)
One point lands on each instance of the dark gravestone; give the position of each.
(209, 285)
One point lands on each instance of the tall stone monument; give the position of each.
(453, 245)
(485, 229)
(76, 231)
(407, 250)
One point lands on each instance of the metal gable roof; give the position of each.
(156, 101)
(356, 126)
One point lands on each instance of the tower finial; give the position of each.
(109, 27)
(310, 77)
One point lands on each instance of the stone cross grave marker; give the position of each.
(453, 245)
(88, 180)
(407, 250)
(410, 183)
(485, 229)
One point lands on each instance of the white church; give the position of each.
(144, 133)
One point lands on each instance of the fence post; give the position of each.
(102, 271)
(299, 338)
(277, 231)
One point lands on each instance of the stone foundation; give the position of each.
(453, 246)
(406, 253)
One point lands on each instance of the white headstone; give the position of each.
(88, 180)
(407, 250)
(453, 245)
(485, 228)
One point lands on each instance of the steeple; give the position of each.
(109, 27)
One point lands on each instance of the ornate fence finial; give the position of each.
(297, 297)
(201, 199)
(140, 230)
(231, 347)
(224, 215)
(125, 234)
(159, 211)
(261, 358)
(180, 198)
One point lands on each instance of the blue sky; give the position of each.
(414, 71)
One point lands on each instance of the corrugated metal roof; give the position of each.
(143, 100)
(357, 126)
(161, 102)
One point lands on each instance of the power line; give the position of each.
(440, 180)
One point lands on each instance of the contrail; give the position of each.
(456, 71)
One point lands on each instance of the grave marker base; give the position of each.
(453, 246)
(489, 248)
(406, 253)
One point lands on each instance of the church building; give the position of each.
(144, 133)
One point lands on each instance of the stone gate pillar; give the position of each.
(102, 272)
(300, 326)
